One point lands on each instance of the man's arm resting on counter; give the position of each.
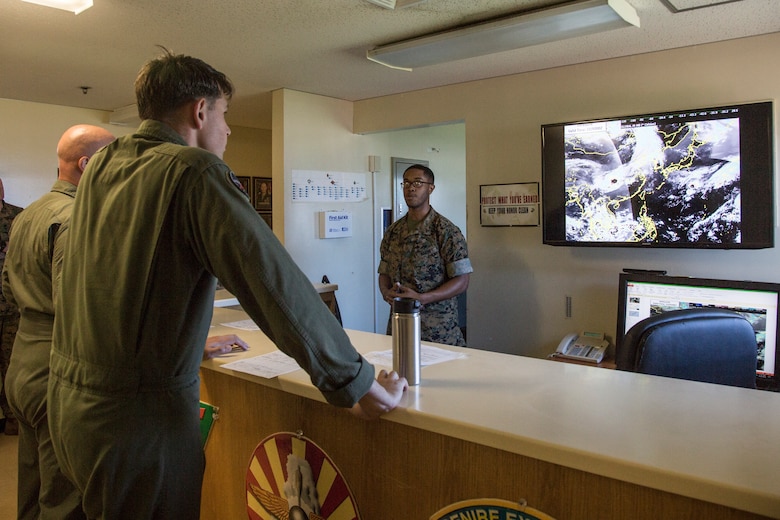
(384, 395)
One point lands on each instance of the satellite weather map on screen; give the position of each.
(682, 179)
(630, 181)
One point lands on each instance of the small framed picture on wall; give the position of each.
(261, 193)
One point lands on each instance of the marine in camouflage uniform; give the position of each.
(422, 256)
(9, 314)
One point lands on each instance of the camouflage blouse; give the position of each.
(8, 213)
(423, 258)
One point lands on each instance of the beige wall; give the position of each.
(517, 294)
(516, 300)
(316, 132)
(249, 151)
(29, 133)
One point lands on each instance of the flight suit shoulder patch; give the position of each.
(237, 183)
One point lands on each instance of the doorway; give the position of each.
(449, 197)
(442, 147)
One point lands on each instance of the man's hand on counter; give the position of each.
(218, 345)
(384, 395)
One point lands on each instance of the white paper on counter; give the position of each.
(268, 365)
(242, 325)
(429, 355)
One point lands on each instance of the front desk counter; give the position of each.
(327, 291)
(575, 442)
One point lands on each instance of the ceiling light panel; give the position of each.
(74, 6)
(678, 6)
(547, 25)
(395, 4)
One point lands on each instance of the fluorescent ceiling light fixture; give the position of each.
(76, 6)
(393, 4)
(532, 28)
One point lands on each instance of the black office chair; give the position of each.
(699, 344)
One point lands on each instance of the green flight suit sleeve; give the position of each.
(239, 248)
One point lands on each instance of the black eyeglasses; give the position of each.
(416, 184)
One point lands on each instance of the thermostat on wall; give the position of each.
(335, 224)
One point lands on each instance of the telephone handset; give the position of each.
(587, 346)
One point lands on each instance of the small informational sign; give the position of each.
(335, 224)
(509, 204)
(489, 509)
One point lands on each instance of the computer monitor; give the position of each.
(645, 294)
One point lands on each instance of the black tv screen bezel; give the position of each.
(756, 180)
(762, 383)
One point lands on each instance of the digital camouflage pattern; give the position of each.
(423, 258)
(9, 314)
(8, 213)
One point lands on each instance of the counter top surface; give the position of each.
(710, 442)
(223, 298)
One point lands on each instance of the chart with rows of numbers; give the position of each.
(319, 186)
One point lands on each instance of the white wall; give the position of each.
(316, 133)
(29, 133)
(444, 147)
(516, 299)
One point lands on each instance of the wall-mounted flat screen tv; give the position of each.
(698, 178)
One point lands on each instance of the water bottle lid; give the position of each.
(406, 305)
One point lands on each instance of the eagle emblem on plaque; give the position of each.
(291, 478)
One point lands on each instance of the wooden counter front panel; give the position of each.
(398, 471)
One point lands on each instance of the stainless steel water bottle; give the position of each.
(405, 329)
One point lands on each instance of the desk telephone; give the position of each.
(587, 346)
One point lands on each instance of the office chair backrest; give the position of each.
(701, 344)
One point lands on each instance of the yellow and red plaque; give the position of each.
(291, 478)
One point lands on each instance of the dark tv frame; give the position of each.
(762, 383)
(756, 178)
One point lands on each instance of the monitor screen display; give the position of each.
(689, 179)
(642, 295)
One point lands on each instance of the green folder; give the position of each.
(208, 414)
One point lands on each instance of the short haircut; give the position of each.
(426, 171)
(169, 81)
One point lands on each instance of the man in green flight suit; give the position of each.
(157, 219)
(43, 491)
